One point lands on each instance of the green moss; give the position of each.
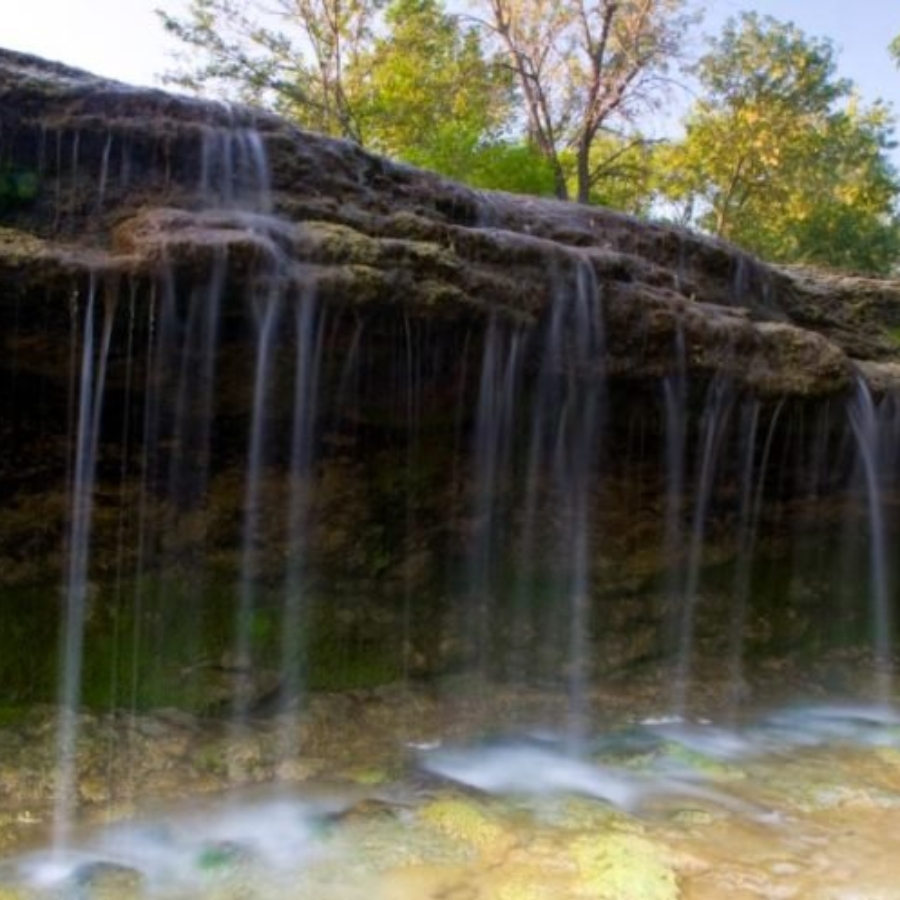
(30, 627)
(334, 666)
(157, 643)
(585, 814)
(369, 776)
(219, 856)
(18, 187)
(168, 642)
(698, 762)
(211, 759)
(12, 715)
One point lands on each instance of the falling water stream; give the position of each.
(713, 424)
(267, 322)
(92, 378)
(868, 430)
(309, 322)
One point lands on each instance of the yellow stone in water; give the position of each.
(464, 821)
(616, 866)
(9, 893)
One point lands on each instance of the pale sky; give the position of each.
(123, 39)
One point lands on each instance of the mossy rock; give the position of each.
(578, 814)
(702, 764)
(622, 867)
(462, 820)
(107, 881)
(16, 245)
(369, 776)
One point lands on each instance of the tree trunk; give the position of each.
(559, 179)
(583, 164)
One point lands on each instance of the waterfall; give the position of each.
(493, 440)
(549, 621)
(675, 412)
(174, 430)
(407, 440)
(309, 332)
(713, 424)
(358, 497)
(267, 318)
(92, 379)
(752, 483)
(746, 529)
(875, 435)
(234, 170)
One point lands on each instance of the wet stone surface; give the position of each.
(800, 802)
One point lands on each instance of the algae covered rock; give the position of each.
(103, 881)
(462, 820)
(622, 867)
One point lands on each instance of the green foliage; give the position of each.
(780, 157)
(623, 173)
(584, 68)
(426, 93)
(405, 79)
(291, 55)
(508, 166)
(519, 96)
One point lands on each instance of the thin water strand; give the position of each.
(867, 430)
(90, 404)
(310, 330)
(712, 430)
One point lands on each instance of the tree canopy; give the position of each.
(781, 157)
(426, 93)
(518, 94)
(584, 69)
(298, 56)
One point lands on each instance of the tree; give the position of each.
(624, 173)
(427, 93)
(780, 157)
(296, 56)
(404, 78)
(511, 165)
(534, 96)
(584, 68)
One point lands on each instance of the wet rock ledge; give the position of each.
(104, 181)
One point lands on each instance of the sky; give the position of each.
(124, 39)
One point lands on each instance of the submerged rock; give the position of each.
(107, 881)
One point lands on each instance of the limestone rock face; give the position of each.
(242, 363)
